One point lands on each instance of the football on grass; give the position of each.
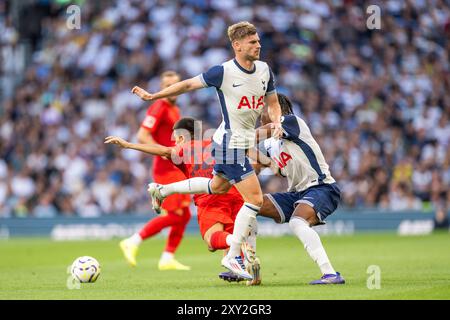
(85, 269)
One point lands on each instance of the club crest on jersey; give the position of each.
(251, 102)
(284, 158)
(149, 121)
(264, 84)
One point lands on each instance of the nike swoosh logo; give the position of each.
(237, 85)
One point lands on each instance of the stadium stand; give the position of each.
(376, 100)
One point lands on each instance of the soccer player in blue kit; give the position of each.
(243, 85)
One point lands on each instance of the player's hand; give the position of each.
(116, 140)
(141, 93)
(277, 132)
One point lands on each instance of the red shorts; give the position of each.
(175, 201)
(218, 209)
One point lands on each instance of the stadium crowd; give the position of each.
(377, 101)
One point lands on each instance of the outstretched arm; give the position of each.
(154, 149)
(173, 90)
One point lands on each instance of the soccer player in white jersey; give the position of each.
(312, 192)
(244, 85)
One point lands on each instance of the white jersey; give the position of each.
(241, 95)
(298, 155)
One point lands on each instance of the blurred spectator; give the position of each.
(401, 198)
(45, 208)
(376, 100)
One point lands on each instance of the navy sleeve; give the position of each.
(213, 77)
(271, 85)
(290, 127)
(262, 148)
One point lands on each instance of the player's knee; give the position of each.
(259, 199)
(297, 222)
(219, 188)
(207, 240)
(306, 213)
(259, 202)
(256, 200)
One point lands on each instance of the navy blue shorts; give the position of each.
(231, 164)
(324, 199)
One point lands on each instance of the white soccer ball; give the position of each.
(85, 269)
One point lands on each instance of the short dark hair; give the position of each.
(186, 123)
(285, 104)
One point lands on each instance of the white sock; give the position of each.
(166, 256)
(135, 239)
(251, 240)
(312, 243)
(190, 186)
(242, 227)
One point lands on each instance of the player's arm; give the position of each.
(144, 136)
(256, 160)
(274, 110)
(154, 149)
(173, 90)
(264, 132)
(260, 161)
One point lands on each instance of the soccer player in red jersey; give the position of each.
(216, 213)
(157, 129)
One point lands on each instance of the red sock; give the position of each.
(157, 224)
(219, 240)
(177, 231)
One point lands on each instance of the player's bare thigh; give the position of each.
(302, 210)
(250, 190)
(307, 213)
(268, 210)
(220, 185)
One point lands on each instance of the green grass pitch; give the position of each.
(414, 267)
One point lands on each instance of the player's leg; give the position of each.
(212, 216)
(131, 245)
(314, 206)
(228, 275)
(250, 190)
(301, 221)
(252, 262)
(269, 210)
(168, 261)
(216, 221)
(175, 205)
(216, 185)
(248, 247)
(216, 238)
